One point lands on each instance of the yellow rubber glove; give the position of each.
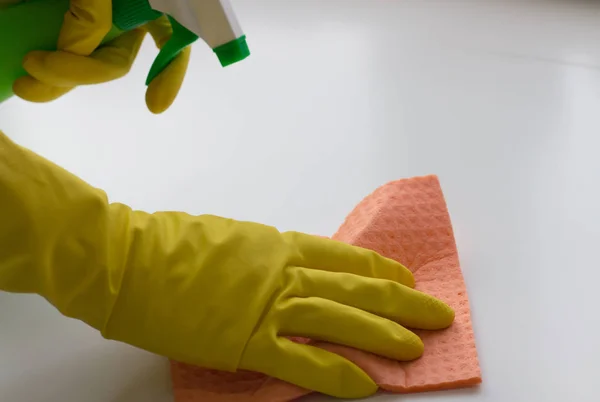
(205, 290)
(80, 60)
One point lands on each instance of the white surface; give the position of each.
(500, 99)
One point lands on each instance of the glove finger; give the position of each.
(311, 368)
(389, 299)
(161, 30)
(65, 69)
(32, 90)
(163, 89)
(85, 25)
(326, 320)
(330, 255)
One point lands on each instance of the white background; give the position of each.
(501, 99)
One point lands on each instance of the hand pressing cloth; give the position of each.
(406, 220)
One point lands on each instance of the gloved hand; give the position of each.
(205, 290)
(79, 60)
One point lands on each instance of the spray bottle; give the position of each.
(35, 25)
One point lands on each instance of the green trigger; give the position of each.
(181, 38)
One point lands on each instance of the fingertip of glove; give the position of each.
(402, 275)
(442, 315)
(31, 90)
(408, 279)
(155, 105)
(362, 387)
(26, 89)
(344, 379)
(447, 316)
(392, 270)
(163, 90)
(412, 347)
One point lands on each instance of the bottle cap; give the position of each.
(232, 51)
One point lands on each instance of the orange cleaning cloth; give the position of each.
(406, 220)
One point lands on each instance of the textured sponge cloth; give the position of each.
(406, 220)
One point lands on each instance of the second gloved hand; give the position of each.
(205, 290)
(80, 60)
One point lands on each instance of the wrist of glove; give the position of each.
(81, 60)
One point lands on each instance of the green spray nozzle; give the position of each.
(130, 14)
(214, 16)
